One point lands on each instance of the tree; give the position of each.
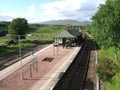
(106, 25)
(18, 26)
(3, 28)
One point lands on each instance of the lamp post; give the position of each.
(22, 76)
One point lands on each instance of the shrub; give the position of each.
(106, 69)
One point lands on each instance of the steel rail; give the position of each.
(12, 58)
(86, 68)
(81, 71)
(78, 67)
(66, 83)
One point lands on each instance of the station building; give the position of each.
(70, 37)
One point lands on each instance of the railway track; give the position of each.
(75, 76)
(11, 58)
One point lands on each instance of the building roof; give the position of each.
(68, 34)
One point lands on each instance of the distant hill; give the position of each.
(64, 22)
(87, 22)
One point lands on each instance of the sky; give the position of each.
(44, 10)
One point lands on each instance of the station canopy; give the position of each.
(68, 34)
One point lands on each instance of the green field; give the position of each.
(45, 32)
(40, 34)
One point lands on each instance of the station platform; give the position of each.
(48, 73)
(56, 72)
(9, 70)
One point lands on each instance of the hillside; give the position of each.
(64, 22)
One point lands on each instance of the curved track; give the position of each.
(75, 76)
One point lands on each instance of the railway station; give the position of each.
(54, 67)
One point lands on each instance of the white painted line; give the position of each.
(97, 79)
(9, 70)
(46, 84)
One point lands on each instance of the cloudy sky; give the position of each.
(45, 10)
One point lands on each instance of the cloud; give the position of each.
(31, 10)
(5, 17)
(71, 9)
(81, 10)
(9, 16)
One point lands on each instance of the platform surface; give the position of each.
(48, 72)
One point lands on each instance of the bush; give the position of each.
(106, 69)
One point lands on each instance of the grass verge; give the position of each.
(109, 53)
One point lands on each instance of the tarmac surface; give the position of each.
(41, 71)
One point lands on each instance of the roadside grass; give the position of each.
(109, 53)
(115, 85)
